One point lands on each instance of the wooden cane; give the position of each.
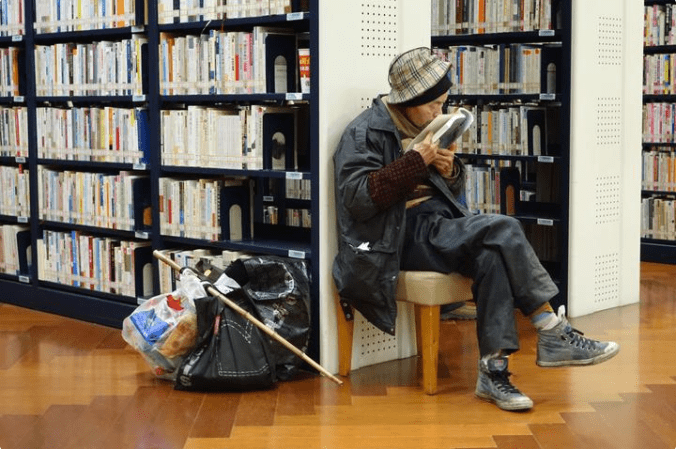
(271, 333)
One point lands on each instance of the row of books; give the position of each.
(97, 68)
(658, 170)
(299, 189)
(659, 74)
(659, 25)
(171, 11)
(508, 187)
(14, 131)
(500, 69)
(229, 62)
(97, 134)
(102, 264)
(450, 17)
(250, 137)
(294, 217)
(9, 71)
(14, 249)
(190, 258)
(92, 199)
(11, 18)
(15, 188)
(658, 218)
(482, 187)
(59, 16)
(658, 122)
(192, 207)
(507, 130)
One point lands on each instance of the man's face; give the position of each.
(423, 114)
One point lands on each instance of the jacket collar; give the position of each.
(380, 118)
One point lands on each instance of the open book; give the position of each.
(446, 128)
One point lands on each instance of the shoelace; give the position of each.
(500, 379)
(577, 339)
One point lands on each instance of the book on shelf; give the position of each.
(15, 244)
(445, 128)
(103, 264)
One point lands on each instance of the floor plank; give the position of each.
(71, 384)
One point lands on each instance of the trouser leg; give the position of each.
(493, 250)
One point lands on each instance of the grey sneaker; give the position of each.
(494, 386)
(563, 345)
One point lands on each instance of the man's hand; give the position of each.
(444, 160)
(427, 150)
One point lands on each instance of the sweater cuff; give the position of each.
(396, 180)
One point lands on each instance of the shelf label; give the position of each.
(20, 160)
(138, 98)
(137, 29)
(546, 32)
(139, 166)
(141, 235)
(25, 279)
(19, 99)
(268, 198)
(546, 159)
(544, 222)
(297, 254)
(17, 38)
(294, 175)
(22, 219)
(292, 96)
(294, 16)
(547, 97)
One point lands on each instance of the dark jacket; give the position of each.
(370, 239)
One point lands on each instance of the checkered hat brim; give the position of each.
(414, 72)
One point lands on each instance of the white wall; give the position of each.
(357, 41)
(606, 120)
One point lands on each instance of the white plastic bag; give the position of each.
(164, 328)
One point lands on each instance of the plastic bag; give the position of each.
(280, 290)
(232, 354)
(164, 328)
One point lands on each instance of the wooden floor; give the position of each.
(73, 385)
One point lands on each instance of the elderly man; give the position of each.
(403, 210)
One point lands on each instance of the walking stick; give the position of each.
(271, 333)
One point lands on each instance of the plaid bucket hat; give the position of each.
(417, 77)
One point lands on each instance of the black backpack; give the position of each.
(231, 354)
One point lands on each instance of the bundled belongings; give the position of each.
(280, 291)
(231, 353)
(231, 311)
(164, 328)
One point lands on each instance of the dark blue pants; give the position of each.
(493, 251)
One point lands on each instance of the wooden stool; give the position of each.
(427, 290)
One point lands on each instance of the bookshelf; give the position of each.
(565, 197)
(96, 151)
(658, 134)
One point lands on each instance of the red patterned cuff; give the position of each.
(396, 180)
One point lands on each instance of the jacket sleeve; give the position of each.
(365, 184)
(396, 180)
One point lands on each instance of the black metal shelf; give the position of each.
(298, 21)
(258, 245)
(659, 49)
(231, 172)
(539, 36)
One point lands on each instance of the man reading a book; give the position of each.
(404, 210)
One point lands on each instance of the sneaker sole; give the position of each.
(593, 361)
(505, 406)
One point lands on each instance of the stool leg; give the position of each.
(428, 328)
(345, 339)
